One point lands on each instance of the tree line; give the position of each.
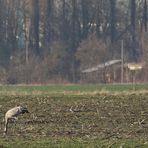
(53, 40)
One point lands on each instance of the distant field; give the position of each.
(80, 88)
(77, 116)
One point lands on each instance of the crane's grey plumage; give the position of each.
(12, 115)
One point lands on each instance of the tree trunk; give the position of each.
(35, 25)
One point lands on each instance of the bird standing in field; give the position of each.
(11, 115)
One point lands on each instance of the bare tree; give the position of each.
(85, 18)
(133, 51)
(48, 22)
(144, 19)
(35, 26)
(113, 20)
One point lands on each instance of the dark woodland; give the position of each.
(53, 41)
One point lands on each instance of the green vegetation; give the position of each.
(75, 143)
(76, 117)
(71, 88)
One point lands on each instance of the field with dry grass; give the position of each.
(72, 118)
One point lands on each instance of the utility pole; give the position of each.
(122, 61)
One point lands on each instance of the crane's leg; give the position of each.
(6, 126)
(14, 119)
